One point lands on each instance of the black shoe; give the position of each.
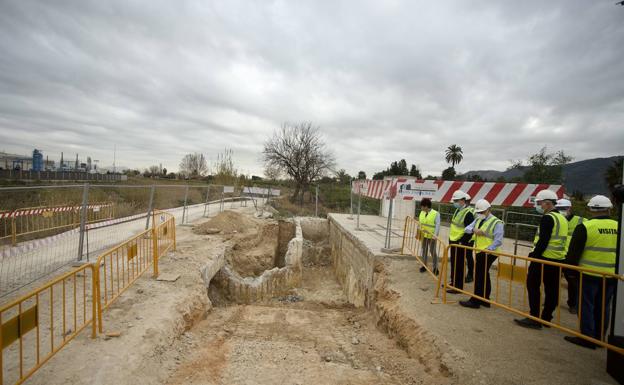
(452, 291)
(580, 342)
(471, 304)
(422, 269)
(469, 278)
(486, 304)
(528, 323)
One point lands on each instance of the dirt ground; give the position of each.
(169, 334)
(484, 345)
(310, 337)
(151, 316)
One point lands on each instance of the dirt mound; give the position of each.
(252, 254)
(227, 222)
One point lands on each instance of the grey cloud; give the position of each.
(383, 80)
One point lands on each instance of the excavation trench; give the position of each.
(282, 315)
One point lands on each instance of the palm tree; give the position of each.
(454, 154)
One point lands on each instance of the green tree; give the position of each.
(454, 155)
(545, 167)
(394, 168)
(343, 177)
(379, 175)
(449, 173)
(402, 167)
(414, 171)
(613, 175)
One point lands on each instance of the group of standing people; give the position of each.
(562, 237)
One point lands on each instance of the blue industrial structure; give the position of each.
(37, 160)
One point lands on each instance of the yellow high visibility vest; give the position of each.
(484, 241)
(556, 248)
(457, 223)
(427, 222)
(572, 223)
(599, 253)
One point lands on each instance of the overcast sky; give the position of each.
(383, 80)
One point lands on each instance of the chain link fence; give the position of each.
(47, 229)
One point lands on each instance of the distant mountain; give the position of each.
(586, 176)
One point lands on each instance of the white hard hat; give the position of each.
(562, 203)
(545, 195)
(467, 197)
(459, 194)
(599, 203)
(482, 205)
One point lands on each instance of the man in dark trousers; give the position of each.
(593, 246)
(548, 245)
(564, 206)
(488, 236)
(462, 217)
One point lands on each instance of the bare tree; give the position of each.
(272, 173)
(299, 151)
(224, 170)
(193, 165)
(154, 170)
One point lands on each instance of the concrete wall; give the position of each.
(314, 229)
(273, 282)
(353, 264)
(400, 208)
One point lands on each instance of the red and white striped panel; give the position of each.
(21, 213)
(497, 193)
(375, 188)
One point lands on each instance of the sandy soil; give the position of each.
(477, 346)
(310, 337)
(169, 335)
(151, 316)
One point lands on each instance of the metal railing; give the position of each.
(511, 278)
(509, 290)
(57, 312)
(37, 325)
(412, 243)
(528, 234)
(29, 222)
(119, 267)
(81, 228)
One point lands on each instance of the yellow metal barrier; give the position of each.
(27, 223)
(509, 291)
(37, 325)
(120, 266)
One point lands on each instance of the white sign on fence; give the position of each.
(228, 189)
(261, 191)
(412, 190)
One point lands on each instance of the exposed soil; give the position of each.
(253, 253)
(227, 222)
(310, 337)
